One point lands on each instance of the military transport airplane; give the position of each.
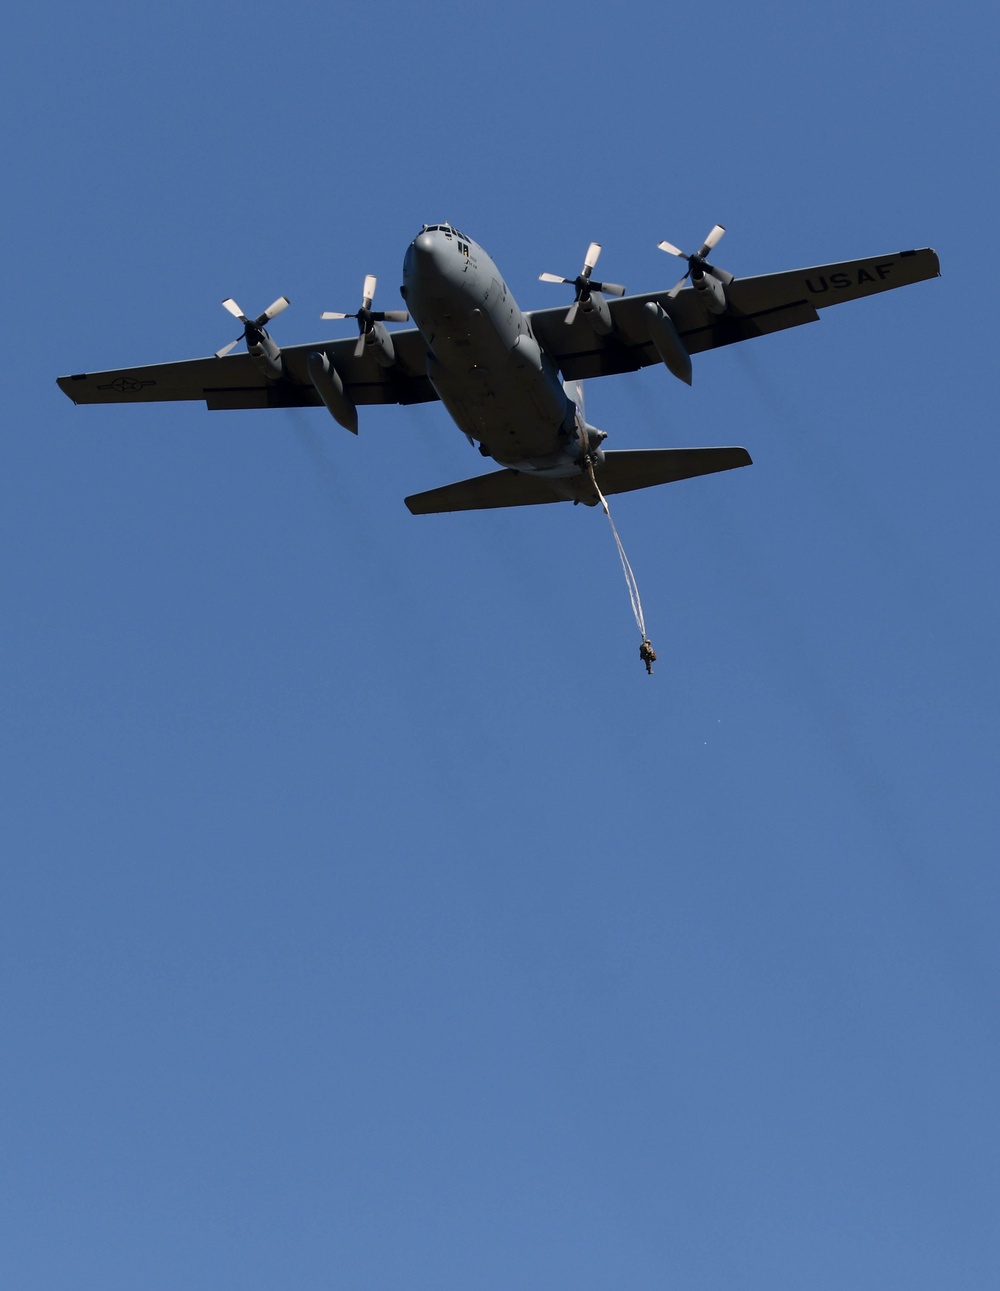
(511, 379)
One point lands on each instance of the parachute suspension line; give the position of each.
(646, 652)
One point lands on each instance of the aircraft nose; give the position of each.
(427, 255)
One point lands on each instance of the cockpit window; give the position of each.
(447, 229)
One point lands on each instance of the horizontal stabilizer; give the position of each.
(638, 468)
(621, 472)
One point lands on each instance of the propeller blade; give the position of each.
(696, 263)
(359, 349)
(712, 239)
(252, 326)
(365, 315)
(274, 309)
(584, 284)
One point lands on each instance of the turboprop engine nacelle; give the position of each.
(379, 344)
(330, 389)
(265, 354)
(712, 291)
(595, 310)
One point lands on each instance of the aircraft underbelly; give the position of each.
(499, 391)
(501, 414)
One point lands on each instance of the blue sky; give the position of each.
(369, 919)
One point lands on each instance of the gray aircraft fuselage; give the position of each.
(491, 374)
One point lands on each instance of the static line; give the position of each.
(646, 652)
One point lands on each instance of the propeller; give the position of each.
(367, 318)
(697, 264)
(583, 282)
(252, 327)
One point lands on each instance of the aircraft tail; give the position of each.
(622, 471)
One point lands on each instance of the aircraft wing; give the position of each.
(768, 303)
(234, 381)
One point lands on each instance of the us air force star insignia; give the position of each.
(126, 385)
